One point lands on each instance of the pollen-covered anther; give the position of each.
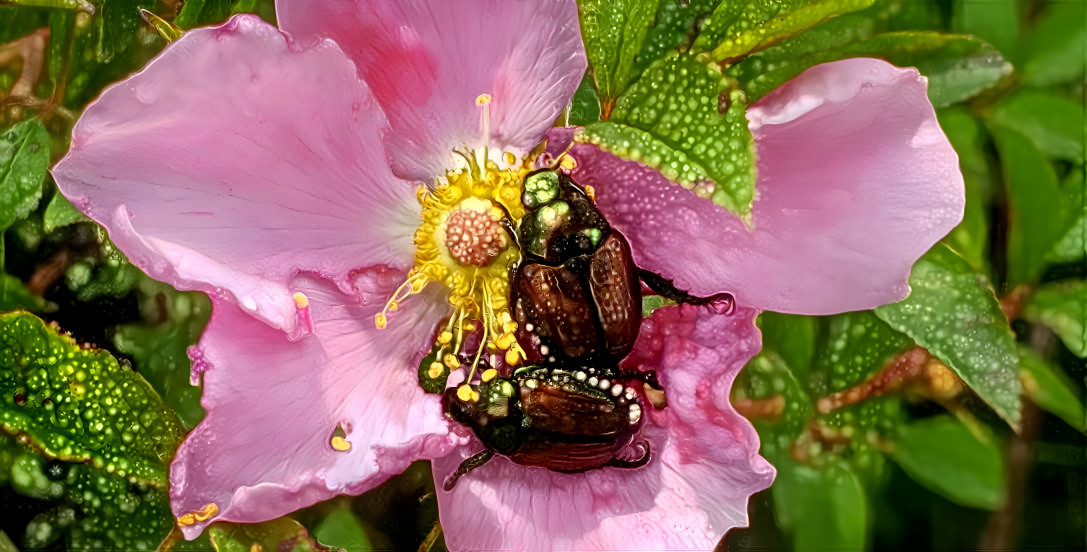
(435, 370)
(467, 394)
(340, 444)
(300, 300)
(474, 238)
(202, 514)
(451, 361)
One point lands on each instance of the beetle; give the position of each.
(565, 419)
(576, 296)
(576, 289)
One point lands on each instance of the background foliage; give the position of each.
(954, 419)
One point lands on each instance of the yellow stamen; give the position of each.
(489, 374)
(478, 294)
(380, 321)
(591, 192)
(435, 370)
(505, 341)
(340, 444)
(512, 358)
(483, 99)
(567, 163)
(208, 511)
(300, 300)
(202, 514)
(465, 392)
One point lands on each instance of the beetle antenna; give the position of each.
(469, 464)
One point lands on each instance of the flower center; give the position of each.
(474, 238)
(462, 243)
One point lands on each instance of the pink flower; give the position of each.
(278, 173)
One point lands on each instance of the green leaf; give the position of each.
(88, 507)
(106, 272)
(823, 509)
(971, 237)
(953, 313)
(856, 346)
(160, 351)
(81, 5)
(119, 21)
(1071, 247)
(1054, 124)
(60, 213)
(14, 295)
(61, 24)
(686, 120)
(24, 160)
(673, 29)
(1034, 199)
(343, 530)
(996, 21)
(584, 107)
(958, 67)
(944, 456)
(278, 534)
(80, 405)
(764, 378)
(5, 543)
(1051, 389)
(792, 337)
(613, 31)
(202, 12)
(1063, 307)
(1055, 51)
(113, 513)
(738, 28)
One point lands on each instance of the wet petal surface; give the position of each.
(233, 161)
(267, 446)
(427, 62)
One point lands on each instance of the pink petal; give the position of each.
(856, 181)
(705, 462)
(273, 404)
(233, 161)
(427, 62)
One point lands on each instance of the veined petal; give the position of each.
(427, 62)
(234, 161)
(856, 181)
(704, 468)
(274, 405)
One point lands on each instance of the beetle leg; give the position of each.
(636, 463)
(723, 303)
(472, 462)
